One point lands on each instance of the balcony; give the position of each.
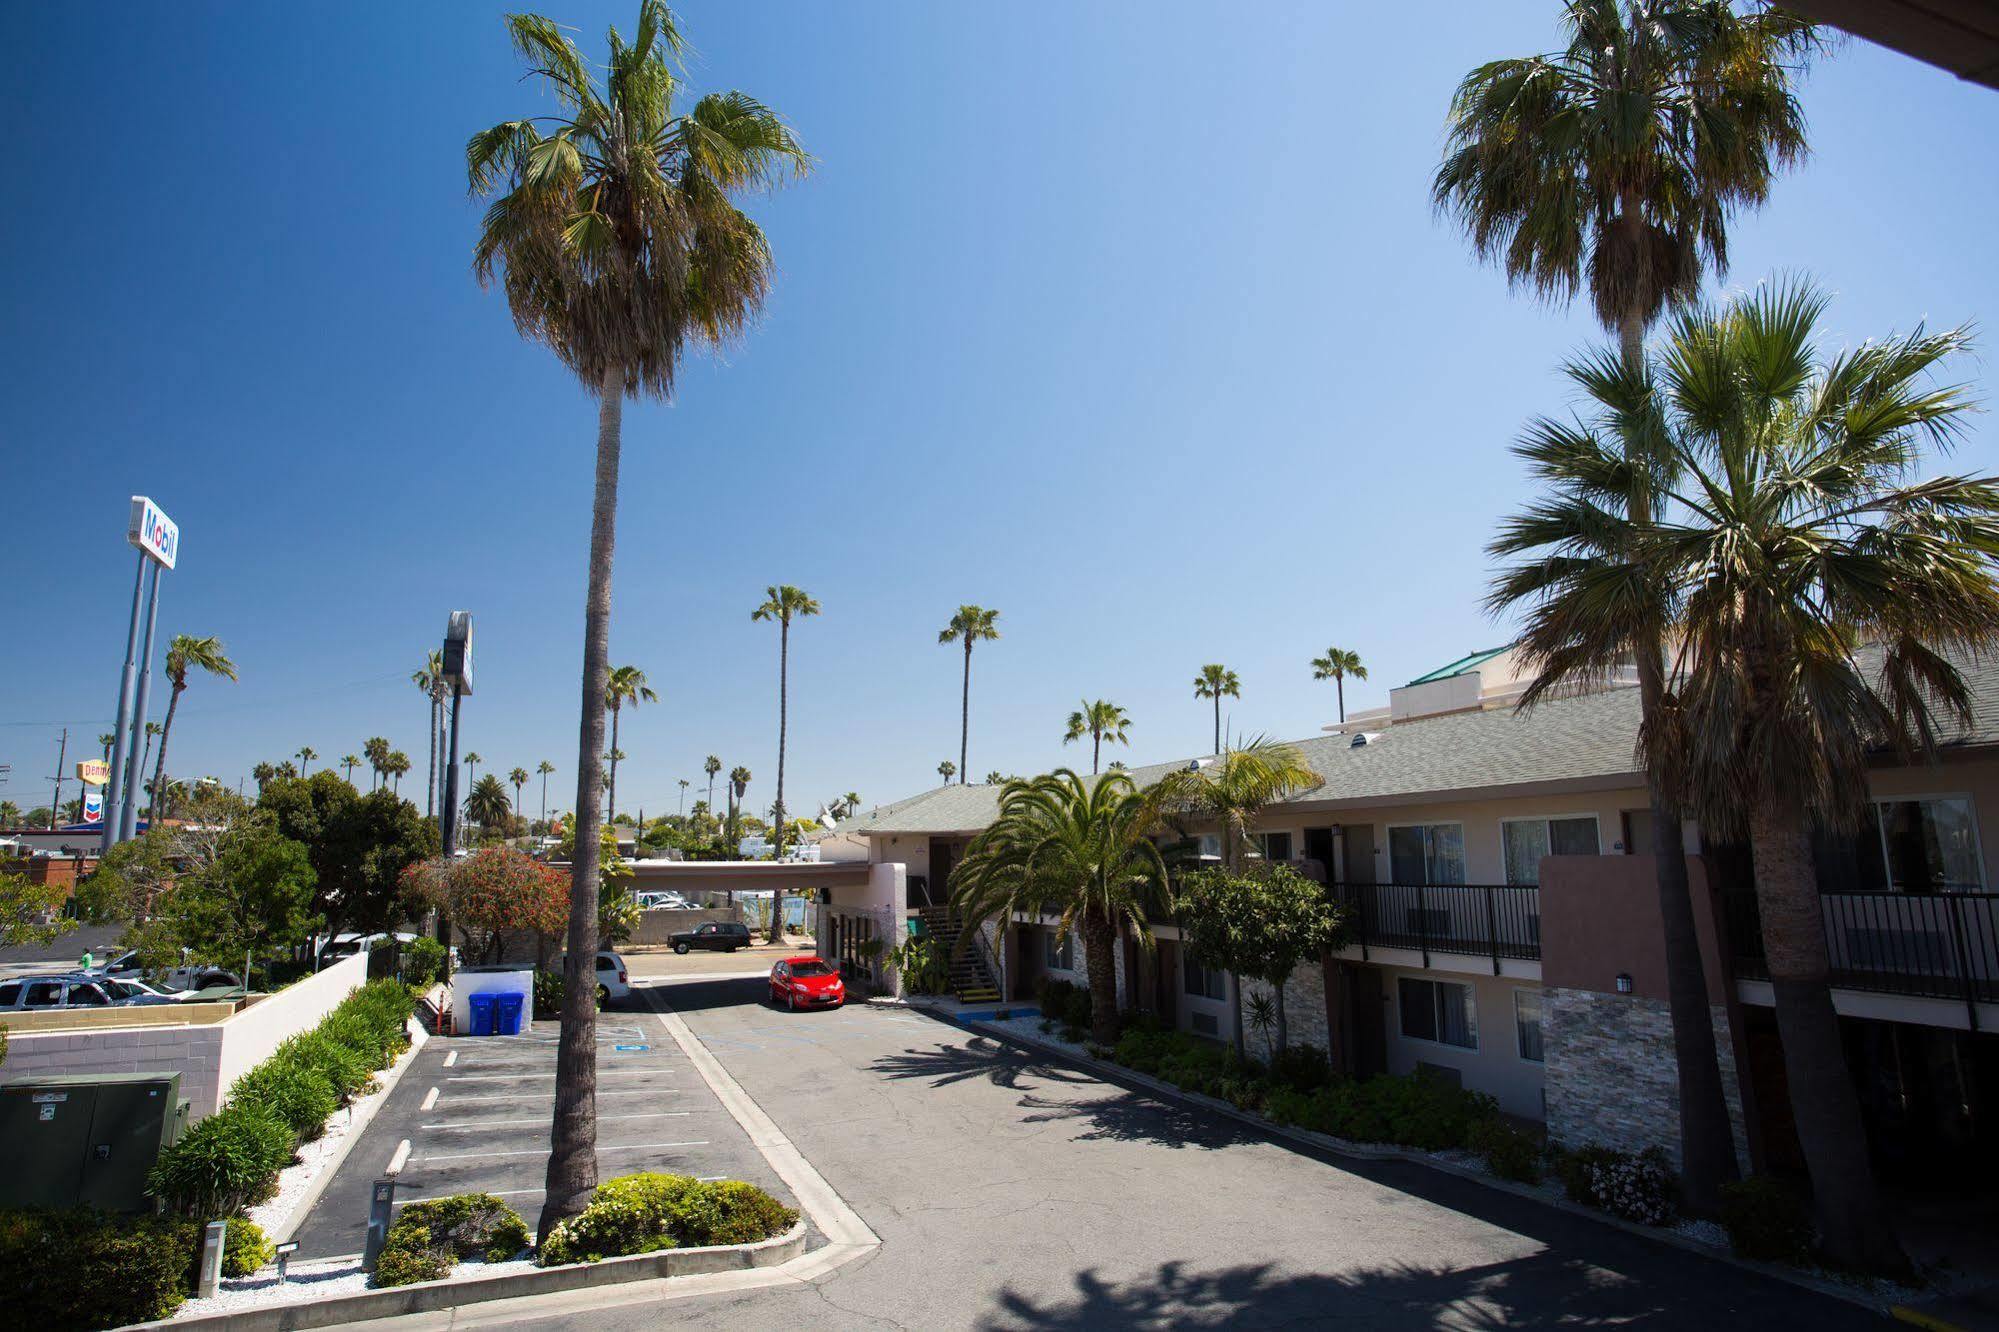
(1942, 945)
(1461, 919)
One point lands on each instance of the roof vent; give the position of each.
(1363, 738)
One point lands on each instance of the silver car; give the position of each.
(27, 994)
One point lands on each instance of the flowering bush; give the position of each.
(493, 893)
(1638, 1188)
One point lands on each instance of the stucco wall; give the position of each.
(251, 1036)
(660, 924)
(1495, 1066)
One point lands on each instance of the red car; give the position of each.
(806, 982)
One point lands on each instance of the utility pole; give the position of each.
(55, 806)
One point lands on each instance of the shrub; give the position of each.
(430, 1237)
(1768, 1219)
(82, 1270)
(298, 1093)
(223, 1164)
(647, 1212)
(1053, 996)
(1637, 1188)
(548, 991)
(1301, 1067)
(1509, 1152)
(1076, 1007)
(245, 1247)
(1410, 1111)
(424, 963)
(344, 1068)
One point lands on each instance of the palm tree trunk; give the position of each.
(776, 934)
(1283, 1021)
(430, 772)
(1853, 1225)
(1100, 948)
(612, 817)
(544, 804)
(1340, 688)
(1235, 1001)
(572, 1157)
(1096, 751)
(159, 805)
(1218, 722)
(965, 715)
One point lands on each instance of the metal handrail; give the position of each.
(1498, 921)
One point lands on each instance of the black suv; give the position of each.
(717, 935)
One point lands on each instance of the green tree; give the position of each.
(1261, 921)
(617, 238)
(947, 770)
(1078, 848)
(970, 625)
(306, 754)
(397, 765)
(1232, 792)
(739, 783)
(32, 913)
(1614, 164)
(517, 779)
(429, 680)
(473, 759)
(262, 773)
(255, 898)
(624, 684)
(1100, 720)
(1217, 682)
(350, 762)
(1794, 532)
(376, 750)
(783, 604)
(488, 804)
(359, 846)
(711, 765)
(154, 730)
(1337, 665)
(543, 769)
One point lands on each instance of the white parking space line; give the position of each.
(451, 1059)
(497, 1193)
(541, 1077)
(456, 1099)
(429, 1099)
(543, 1151)
(508, 1123)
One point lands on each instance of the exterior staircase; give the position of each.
(971, 977)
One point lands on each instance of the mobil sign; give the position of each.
(153, 532)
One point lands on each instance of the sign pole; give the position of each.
(114, 788)
(128, 823)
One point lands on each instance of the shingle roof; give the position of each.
(1592, 737)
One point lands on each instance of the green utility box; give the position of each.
(86, 1141)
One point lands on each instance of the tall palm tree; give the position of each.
(517, 779)
(617, 239)
(1082, 848)
(544, 768)
(106, 740)
(1100, 720)
(376, 748)
(1337, 665)
(397, 764)
(262, 774)
(1232, 792)
(488, 804)
(429, 679)
(624, 684)
(711, 765)
(184, 653)
(1217, 682)
(1616, 163)
(947, 770)
(783, 603)
(1792, 533)
(350, 762)
(306, 754)
(851, 801)
(970, 625)
(739, 783)
(473, 759)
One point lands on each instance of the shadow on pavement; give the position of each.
(1001, 1065)
(702, 996)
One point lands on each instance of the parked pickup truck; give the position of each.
(721, 936)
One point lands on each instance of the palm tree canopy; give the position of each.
(350, 760)
(488, 803)
(1098, 717)
(1234, 788)
(627, 684)
(1613, 163)
(544, 767)
(1216, 681)
(739, 778)
(427, 676)
(1337, 664)
(204, 654)
(518, 777)
(475, 756)
(783, 603)
(711, 765)
(614, 229)
(971, 624)
(947, 769)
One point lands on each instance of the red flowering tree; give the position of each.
(500, 891)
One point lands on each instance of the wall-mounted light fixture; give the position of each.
(1624, 982)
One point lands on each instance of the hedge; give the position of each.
(81, 1269)
(432, 1236)
(646, 1212)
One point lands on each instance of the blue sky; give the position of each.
(1131, 322)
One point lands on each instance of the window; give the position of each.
(1204, 983)
(1058, 950)
(1439, 1011)
(1527, 1023)
(87, 996)
(1921, 846)
(44, 994)
(1274, 845)
(10, 994)
(1210, 845)
(1427, 853)
(1525, 841)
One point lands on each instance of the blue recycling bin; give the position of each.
(507, 1015)
(482, 1014)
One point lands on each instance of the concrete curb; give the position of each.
(330, 1167)
(430, 1296)
(1119, 1075)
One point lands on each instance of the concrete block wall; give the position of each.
(193, 1052)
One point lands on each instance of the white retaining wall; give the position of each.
(249, 1037)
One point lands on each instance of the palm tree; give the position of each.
(1232, 792)
(1617, 161)
(970, 625)
(711, 765)
(398, 763)
(429, 678)
(262, 774)
(488, 804)
(782, 603)
(376, 748)
(619, 242)
(996, 778)
(1337, 665)
(850, 802)
(1791, 532)
(1101, 721)
(473, 759)
(947, 770)
(107, 740)
(544, 768)
(739, 783)
(1081, 848)
(624, 684)
(183, 654)
(684, 784)
(306, 754)
(517, 779)
(1217, 682)
(350, 762)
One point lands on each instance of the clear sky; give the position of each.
(1133, 322)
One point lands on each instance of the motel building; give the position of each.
(1507, 937)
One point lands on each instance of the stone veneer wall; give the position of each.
(1304, 1010)
(1611, 1077)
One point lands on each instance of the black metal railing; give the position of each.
(1492, 920)
(1926, 945)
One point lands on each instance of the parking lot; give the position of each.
(475, 1114)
